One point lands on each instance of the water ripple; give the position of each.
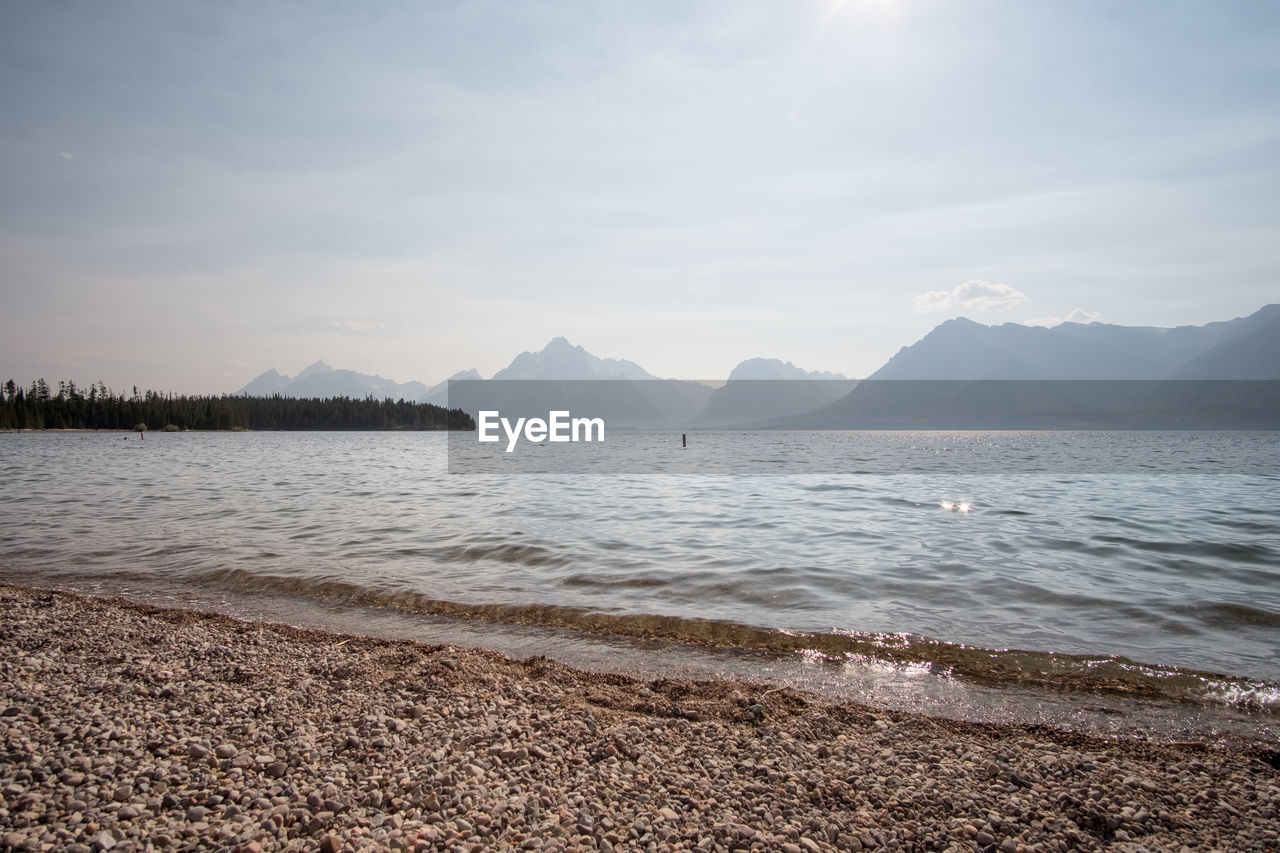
(1177, 570)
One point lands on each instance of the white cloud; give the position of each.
(933, 300)
(987, 296)
(974, 294)
(1078, 315)
(66, 155)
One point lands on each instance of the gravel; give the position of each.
(127, 727)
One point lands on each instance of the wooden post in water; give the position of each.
(684, 439)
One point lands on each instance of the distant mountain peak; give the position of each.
(317, 366)
(560, 359)
(776, 368)
(265, 384)
(322, 380)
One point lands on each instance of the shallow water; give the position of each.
(1055, 569)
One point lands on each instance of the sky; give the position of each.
(194, 192)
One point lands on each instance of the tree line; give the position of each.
(39, 406)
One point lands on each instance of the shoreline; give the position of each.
(878, 683)
(129, 724)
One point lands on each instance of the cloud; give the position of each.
(987, 296)
(1078, 315)
(933, 300)
(66, 155)
(974, 295)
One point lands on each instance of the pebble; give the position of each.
(350, 744)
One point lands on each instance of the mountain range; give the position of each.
(1244, 348)
(559, 360)
(957, 351)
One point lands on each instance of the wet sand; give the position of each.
(128, 727)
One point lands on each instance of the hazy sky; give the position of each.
(191, 193)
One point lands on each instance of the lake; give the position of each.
(1052, 571)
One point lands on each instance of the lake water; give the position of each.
(1064, 574)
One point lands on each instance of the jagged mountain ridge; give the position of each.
(1248, 351)
(959, 349)
(964, 375)
(776, 368)
(319, 379)
(1243, 348)
(560, 359)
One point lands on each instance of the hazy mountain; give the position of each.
(316, 367)
(1106, 377)
(1071, 404)
(560, 359)
(321, 380)
(265, 384)
(759, 390)
(774, 368)
(1249, 351)
(646, 400)
(438, 394)
(348, 383)
(759, 402)
(963, 349)
(557, 360)
(641, 403)
(957, 352)
(641, 400)
(1243, 348)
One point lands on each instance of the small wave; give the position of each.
(1254, 695)
(1000, 668)
(1227, 551)
(589, 580)
(1231, 614)
(529, 555)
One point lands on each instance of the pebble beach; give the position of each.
(127, 727)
